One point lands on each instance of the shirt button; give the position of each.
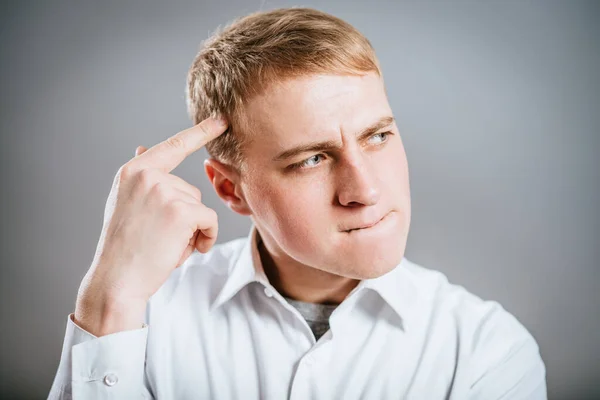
(268, 292)
(111, 379)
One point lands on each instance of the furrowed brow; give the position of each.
(382, 123)
(308, 147)
(314, 147)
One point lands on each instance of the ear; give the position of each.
(226, 181)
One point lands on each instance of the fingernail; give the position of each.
(221, 120)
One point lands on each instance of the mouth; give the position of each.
(366, 226)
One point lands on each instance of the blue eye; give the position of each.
(312, 161)
(383, 137)
(317, 158)
(308, 163)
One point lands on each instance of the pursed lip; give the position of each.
(367, 225)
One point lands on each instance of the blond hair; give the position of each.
(241, 60)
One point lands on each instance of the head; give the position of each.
(312, 154)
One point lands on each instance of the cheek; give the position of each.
(395, 165)
(294, 211)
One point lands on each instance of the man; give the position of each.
(318, 301)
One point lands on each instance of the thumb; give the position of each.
(139, 150)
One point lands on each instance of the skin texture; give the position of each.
(153, 221)
(302, 215)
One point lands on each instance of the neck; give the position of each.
(301, 282)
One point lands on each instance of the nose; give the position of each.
(357, 184)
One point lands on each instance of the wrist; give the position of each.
(103, 315)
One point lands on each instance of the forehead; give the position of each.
(317, 107)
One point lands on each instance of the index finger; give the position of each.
(167, 155)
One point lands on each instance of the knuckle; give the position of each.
(176, 142)
(204, 129)
(210, 215)
(160, 193)
(213, 214)
(198, 194)
(125, 172)
(187, 188)
(175, 210)
(146, 174)
(146, 178)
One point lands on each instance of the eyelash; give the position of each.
(299, 165)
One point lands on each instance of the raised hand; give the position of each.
(153, 221)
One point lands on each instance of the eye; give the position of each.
(308, 163)
(380, 137)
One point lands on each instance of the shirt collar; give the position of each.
(246, 269)
(397, 287)
(398, 290)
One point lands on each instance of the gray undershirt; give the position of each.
(316, 315)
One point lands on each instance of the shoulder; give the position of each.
(492, 343)
(474, 317)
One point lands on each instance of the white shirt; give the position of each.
(217, 329)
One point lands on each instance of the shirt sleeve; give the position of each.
(507, 363)
(522, 375)
(110, 366)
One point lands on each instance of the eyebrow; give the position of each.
(331, 144)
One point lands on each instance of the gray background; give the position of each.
(497, 101)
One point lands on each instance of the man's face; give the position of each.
(305, 202)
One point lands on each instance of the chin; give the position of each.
(371, 265)
(375, 262)
(376, 271)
